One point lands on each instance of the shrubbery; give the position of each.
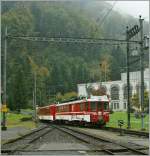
(26, 119)
(111, 111)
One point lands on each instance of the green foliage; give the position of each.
(14, 120)
(66, 97)
(136, 101)
(59, 66)
(26, 119)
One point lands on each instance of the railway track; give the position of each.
(132, 132)
(91, 139)
(87, 143)
(25, 135)
(125, 131)
(21, 143)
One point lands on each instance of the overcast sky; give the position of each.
(134, 8)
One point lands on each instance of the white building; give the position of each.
(118, 89)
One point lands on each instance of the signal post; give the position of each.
(4, 101)
(130, 34)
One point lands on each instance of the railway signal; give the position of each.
(142, 69)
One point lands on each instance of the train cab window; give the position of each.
(99, 106)
(106, 105)
(93, 106)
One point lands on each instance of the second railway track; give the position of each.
(108, 146)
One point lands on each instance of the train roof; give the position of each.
(47, 106)
(92, 98)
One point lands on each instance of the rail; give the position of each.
(127, 148)
(134, 132)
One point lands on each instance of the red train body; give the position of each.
(93, 110)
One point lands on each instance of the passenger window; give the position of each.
(86, 106)
(81, 106)
(57, 109)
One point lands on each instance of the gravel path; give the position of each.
(116, 136)
(57, 140)
(13, 132)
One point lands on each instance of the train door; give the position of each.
(53, 111)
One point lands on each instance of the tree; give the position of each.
(105, 67)
(136, 101)
(66, 97)
(98, 91)
(62, 65)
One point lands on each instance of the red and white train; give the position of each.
(93, 110)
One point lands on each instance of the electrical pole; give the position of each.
(128, 80)
(149, 71)
(4, 81)
(105, 72)
(100, 74)
(142, 71)
(33, 105)
(35, 115)
(40, 98)
(129, 34)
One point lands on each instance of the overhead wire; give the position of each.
(106, 15)
(107, 41)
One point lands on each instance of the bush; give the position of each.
(26, 118)
(132, 110)
(111, 111)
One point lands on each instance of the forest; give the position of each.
(59, 67)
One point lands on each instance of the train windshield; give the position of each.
(106, 106)
(102, 106)
(93, 106)
(99, 106)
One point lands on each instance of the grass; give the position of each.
(135, 123)
(14, 120)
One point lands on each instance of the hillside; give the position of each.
(59, 66)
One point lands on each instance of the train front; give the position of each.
(99, 109)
